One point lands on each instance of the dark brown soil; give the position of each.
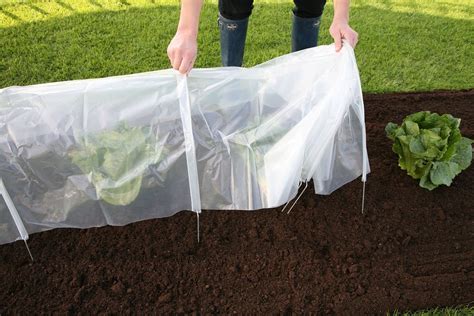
(412, 248)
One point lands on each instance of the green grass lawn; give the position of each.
(405, 45)
(458, 311)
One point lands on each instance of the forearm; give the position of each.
(189, 17)
(340, 29)
(341, 10)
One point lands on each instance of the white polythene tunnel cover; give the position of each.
(122, 149)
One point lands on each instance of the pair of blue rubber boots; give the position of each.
(304, 34)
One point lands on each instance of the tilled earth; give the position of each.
(411, 249)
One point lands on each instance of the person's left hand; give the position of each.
(340, 30)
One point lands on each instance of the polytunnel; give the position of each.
(117, 150)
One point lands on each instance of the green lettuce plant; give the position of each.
(430, 147)
(114, 161)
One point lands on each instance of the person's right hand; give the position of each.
(182, 52)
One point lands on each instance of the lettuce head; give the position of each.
(114, 161)
(430, 148)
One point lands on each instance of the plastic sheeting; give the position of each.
(122, 149)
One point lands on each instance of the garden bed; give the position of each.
(411, 249)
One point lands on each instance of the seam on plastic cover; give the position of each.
(365, 156)
(13, 211)
(185, 111)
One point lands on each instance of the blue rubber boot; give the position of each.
(304, 33)
(233, 34)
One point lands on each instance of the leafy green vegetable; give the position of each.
(115, 161)
(430, 147)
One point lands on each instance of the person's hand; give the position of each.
(182, 51)
(340, 30)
